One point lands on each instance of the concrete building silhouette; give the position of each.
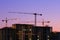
(55, 36)
(23, 30)
(28, 32)
(42, 33)
(31, 32)
(8, 34)
(0, 34)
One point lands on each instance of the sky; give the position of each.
(49, 8)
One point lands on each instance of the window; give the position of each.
(48, 36)
(24, 29)
(29, 29)
(47, 39)
(29, 38)
(38, 36)
(37, 39)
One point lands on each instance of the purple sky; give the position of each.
(49, 8)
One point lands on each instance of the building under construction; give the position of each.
(31, 32)
(25, 32)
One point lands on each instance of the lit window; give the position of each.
(24, 29)
(37, 39)
(48, 36)
(30, 29)
(29, 38)
(47, 39)
(37, 35)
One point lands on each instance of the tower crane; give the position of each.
(35, 14)
(43, 22)
(6, 20)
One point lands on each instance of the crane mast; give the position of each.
(35, 14)
(6, 21)
(43, 22)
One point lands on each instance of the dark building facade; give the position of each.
(42, 33)
(55, 36)
(30, 32)
(0, 34)
(24, 31)
(8, 34)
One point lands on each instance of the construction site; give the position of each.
(28, 31)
